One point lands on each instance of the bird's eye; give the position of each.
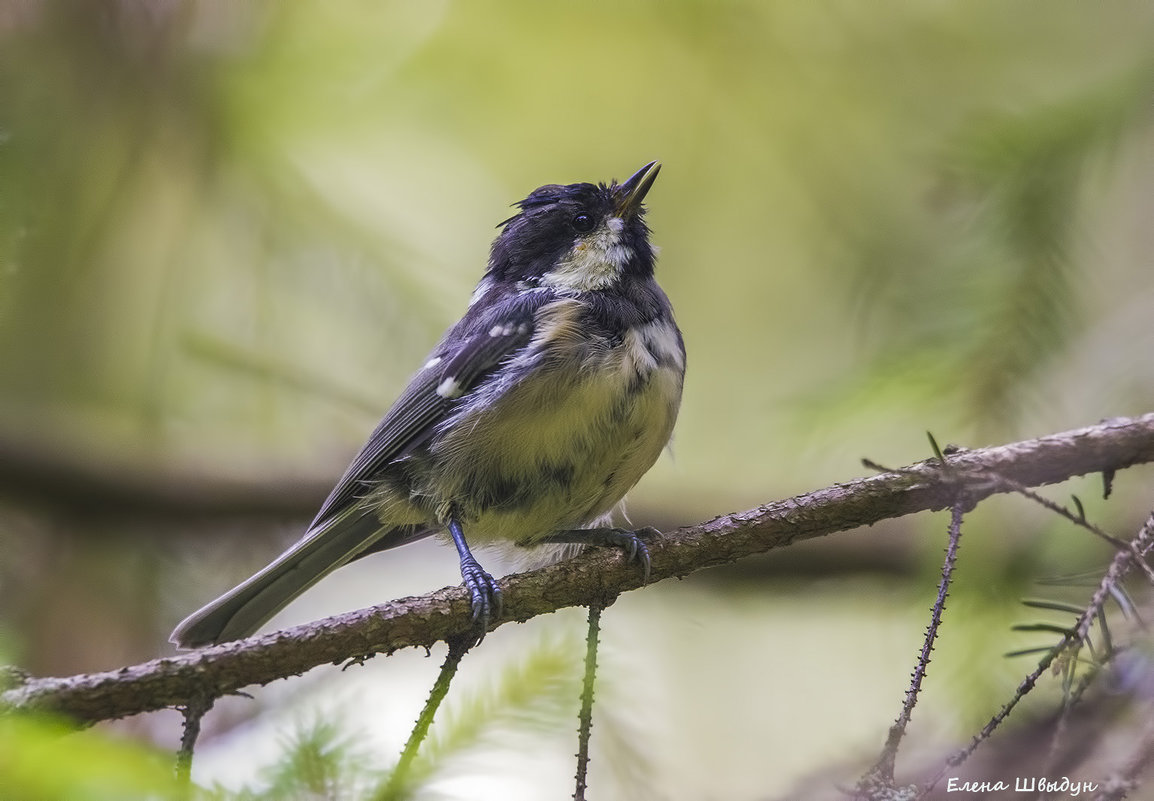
(583, 223)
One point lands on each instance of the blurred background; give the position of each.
(230, 231)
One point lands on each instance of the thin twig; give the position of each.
(394, 787)
(1139, 547)
(1118, 786)
(1123, 560)
(883, 771)
(1069, 701)
(1024, 687)
(585, 717)
(1080, 520)
(194, 712)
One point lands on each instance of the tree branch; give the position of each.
(128, 485)
(594, 576)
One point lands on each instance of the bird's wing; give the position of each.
(342, 531)
(469, 352)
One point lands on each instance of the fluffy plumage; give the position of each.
(532, 417)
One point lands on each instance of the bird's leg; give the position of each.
(631, 542)
(485, 598)
(484, 594)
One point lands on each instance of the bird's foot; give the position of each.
(631, 542)
(484, 596)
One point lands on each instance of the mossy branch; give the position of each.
(594, 576)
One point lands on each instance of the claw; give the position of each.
(635, 550)
(498, 602)
(631, 542)
(631, 549)
(484, 594)
(646, 564)
(641, 534)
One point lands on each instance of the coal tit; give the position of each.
(529, 421)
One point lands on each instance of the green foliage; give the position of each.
(320, 762)
(241, 227)
(1028, 173)
(46, 760)
(535, 696)
(228, 231)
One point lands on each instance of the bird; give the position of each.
(528, 422)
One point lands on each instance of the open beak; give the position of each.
(631, 193)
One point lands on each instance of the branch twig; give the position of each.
(194, 712)
(883, 771)
(596, 574)
(1123, 560)
(585, 718)
(395, 787)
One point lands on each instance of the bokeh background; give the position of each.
(230, 231)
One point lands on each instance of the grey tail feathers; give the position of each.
(245, 608)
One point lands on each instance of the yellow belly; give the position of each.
(562, 448)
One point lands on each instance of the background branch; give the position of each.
(65, 477)
(595, 576)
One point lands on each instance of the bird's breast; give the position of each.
(563, 430)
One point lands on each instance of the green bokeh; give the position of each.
(228, 232)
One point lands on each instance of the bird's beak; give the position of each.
(631, 193)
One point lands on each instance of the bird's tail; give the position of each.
(246, 607)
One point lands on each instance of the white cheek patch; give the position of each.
(595, 261)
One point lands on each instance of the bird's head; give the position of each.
(578, 237)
